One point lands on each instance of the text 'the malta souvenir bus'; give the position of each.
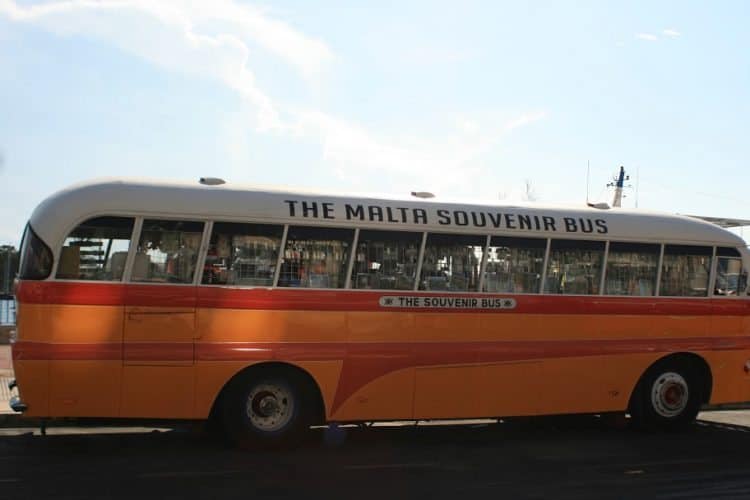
(275, 310)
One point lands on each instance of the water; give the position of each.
(7, 312)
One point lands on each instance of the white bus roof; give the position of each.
(62, 211)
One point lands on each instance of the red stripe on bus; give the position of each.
(45, 351)
(77, 293)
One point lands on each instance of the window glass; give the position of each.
(631, 269)
(514, 265)
(36, 257)
(574, 267)
(316, 257)
(452, 262)
(386, 260)
(242, 254)
(96, 250)
(727, 252)
(167, 251)
(685, 271)
(731, 279)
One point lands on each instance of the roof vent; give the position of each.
(212, 181)
(601, 205)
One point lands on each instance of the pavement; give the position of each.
(6, 375)
(6, 365)
(576, 458)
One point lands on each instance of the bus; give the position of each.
(274, 310)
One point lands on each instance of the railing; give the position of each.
(7, 311)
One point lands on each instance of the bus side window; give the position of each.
(242, 254)
(452, 262)
(731, 279)
(685, 271)
(574, 267)
(96, 250)
(167, 251)
(514, 265)
(386, 260)
(631, 269)
(316, 257)
(36, 257)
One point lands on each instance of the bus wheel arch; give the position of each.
(284, 380)
(671, 391)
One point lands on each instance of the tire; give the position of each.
(668, 396)
(266, 409)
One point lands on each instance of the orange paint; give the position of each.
(102, 351)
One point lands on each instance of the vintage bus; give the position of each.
(272, 310)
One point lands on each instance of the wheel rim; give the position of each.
(670, 394)
(269, 407)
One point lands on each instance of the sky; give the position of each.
(469, 100)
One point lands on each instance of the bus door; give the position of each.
(160, 324)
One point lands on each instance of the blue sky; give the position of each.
(465, 99)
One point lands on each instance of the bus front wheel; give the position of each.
(265, 409)
(668, 396)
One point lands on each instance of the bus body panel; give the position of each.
(81, 347)
(61, 212)
(368, 365)
(158, 391)
(161, 350)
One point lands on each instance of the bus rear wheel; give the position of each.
(265, 409)
(668, 396)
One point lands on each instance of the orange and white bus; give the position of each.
(274, 310)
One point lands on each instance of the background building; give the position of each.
(8, 269)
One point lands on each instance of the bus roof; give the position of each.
(60, 212)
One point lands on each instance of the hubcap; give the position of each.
(669, 394)
(269, 407)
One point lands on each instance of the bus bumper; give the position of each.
(17, 405)
(15, 402)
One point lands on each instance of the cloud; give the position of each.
(411, 162)
(160, 32)
(305, 53)
(216, 40)
(649, 37)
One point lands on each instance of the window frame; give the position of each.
(30, 235)
(659, 259)
(546, 246)
(202, 249)
(208, 222)
(417, 268)
(711, 270)
(426, 236)
(207, 242)
(58, 250)
(349, 263)
(565, 240)
(715, 273)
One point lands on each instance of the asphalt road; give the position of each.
(582, 457)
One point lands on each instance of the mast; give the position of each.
(619, 184)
